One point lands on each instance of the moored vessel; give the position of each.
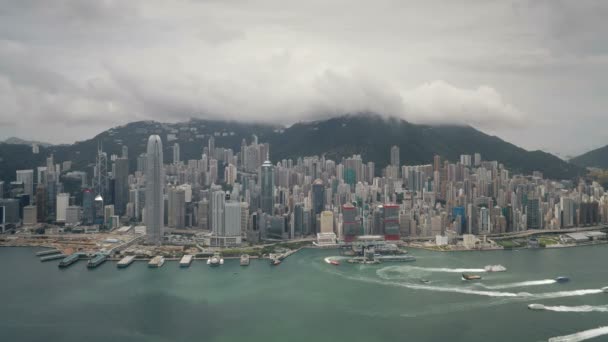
(97, 260)
(215, 260)
(245, 260)
(126, 261)
(69, 260)
(186, 260)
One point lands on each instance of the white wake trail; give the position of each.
(519, 284)
(581, 336)
(580, 308)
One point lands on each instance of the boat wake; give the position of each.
(519, 284)
(386, 271)
(581, 336)
(581, 308)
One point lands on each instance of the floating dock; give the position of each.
(245, 260)
(126, 261)
(186, 261)
(69, 260)
(48, 252)
(97, 260)
(157, 262)
(52, 257)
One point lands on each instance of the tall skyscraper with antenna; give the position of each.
(154, 190)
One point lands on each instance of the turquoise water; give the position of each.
(306, 299)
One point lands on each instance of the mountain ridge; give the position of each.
(369, 135)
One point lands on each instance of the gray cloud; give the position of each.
(524, 70)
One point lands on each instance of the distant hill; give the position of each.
(595, 158)
(365, 134)
(19, 141)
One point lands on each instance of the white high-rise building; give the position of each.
(27, 178)
(176, 156)
(63, 201)
(154, 190)
(232, 221)
(218, 200)
(327, 222)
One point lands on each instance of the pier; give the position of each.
(52, 257)
(48, 252)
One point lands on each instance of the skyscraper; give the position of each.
(218, 200)
(176, 157)
(154, 190)
(27, 178)
(395, 156)
(177, 208)
(63, 201)
(121, 185)
(267, 188)
(41, 206)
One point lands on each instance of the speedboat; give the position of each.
(495, 268)
(425, 281)
(536, 307)
(605, 289)
(334, 262)
(562, 279)
(275, 262)
(470, 277)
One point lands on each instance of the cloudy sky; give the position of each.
(532, 72)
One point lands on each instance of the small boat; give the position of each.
(275, 262)
(470, 276)
(245, 260)
(562, 279)
(605, 289)
(334, 262)
(425, 281)
(495, 268)
(215, 260)
(536, 307)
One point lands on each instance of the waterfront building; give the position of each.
(63, 201)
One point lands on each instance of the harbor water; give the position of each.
(307, 299)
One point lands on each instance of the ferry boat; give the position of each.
(245, 260)
(562, 279)
(97, 260)
(126, 261)
(69, 260)
(215, 260)
(186, 260)
(157, 262)
(470, 276)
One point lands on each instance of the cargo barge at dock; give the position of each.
(126, 261)
(186, 260)
(157, 262)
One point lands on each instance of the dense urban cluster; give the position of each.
(228, 198)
